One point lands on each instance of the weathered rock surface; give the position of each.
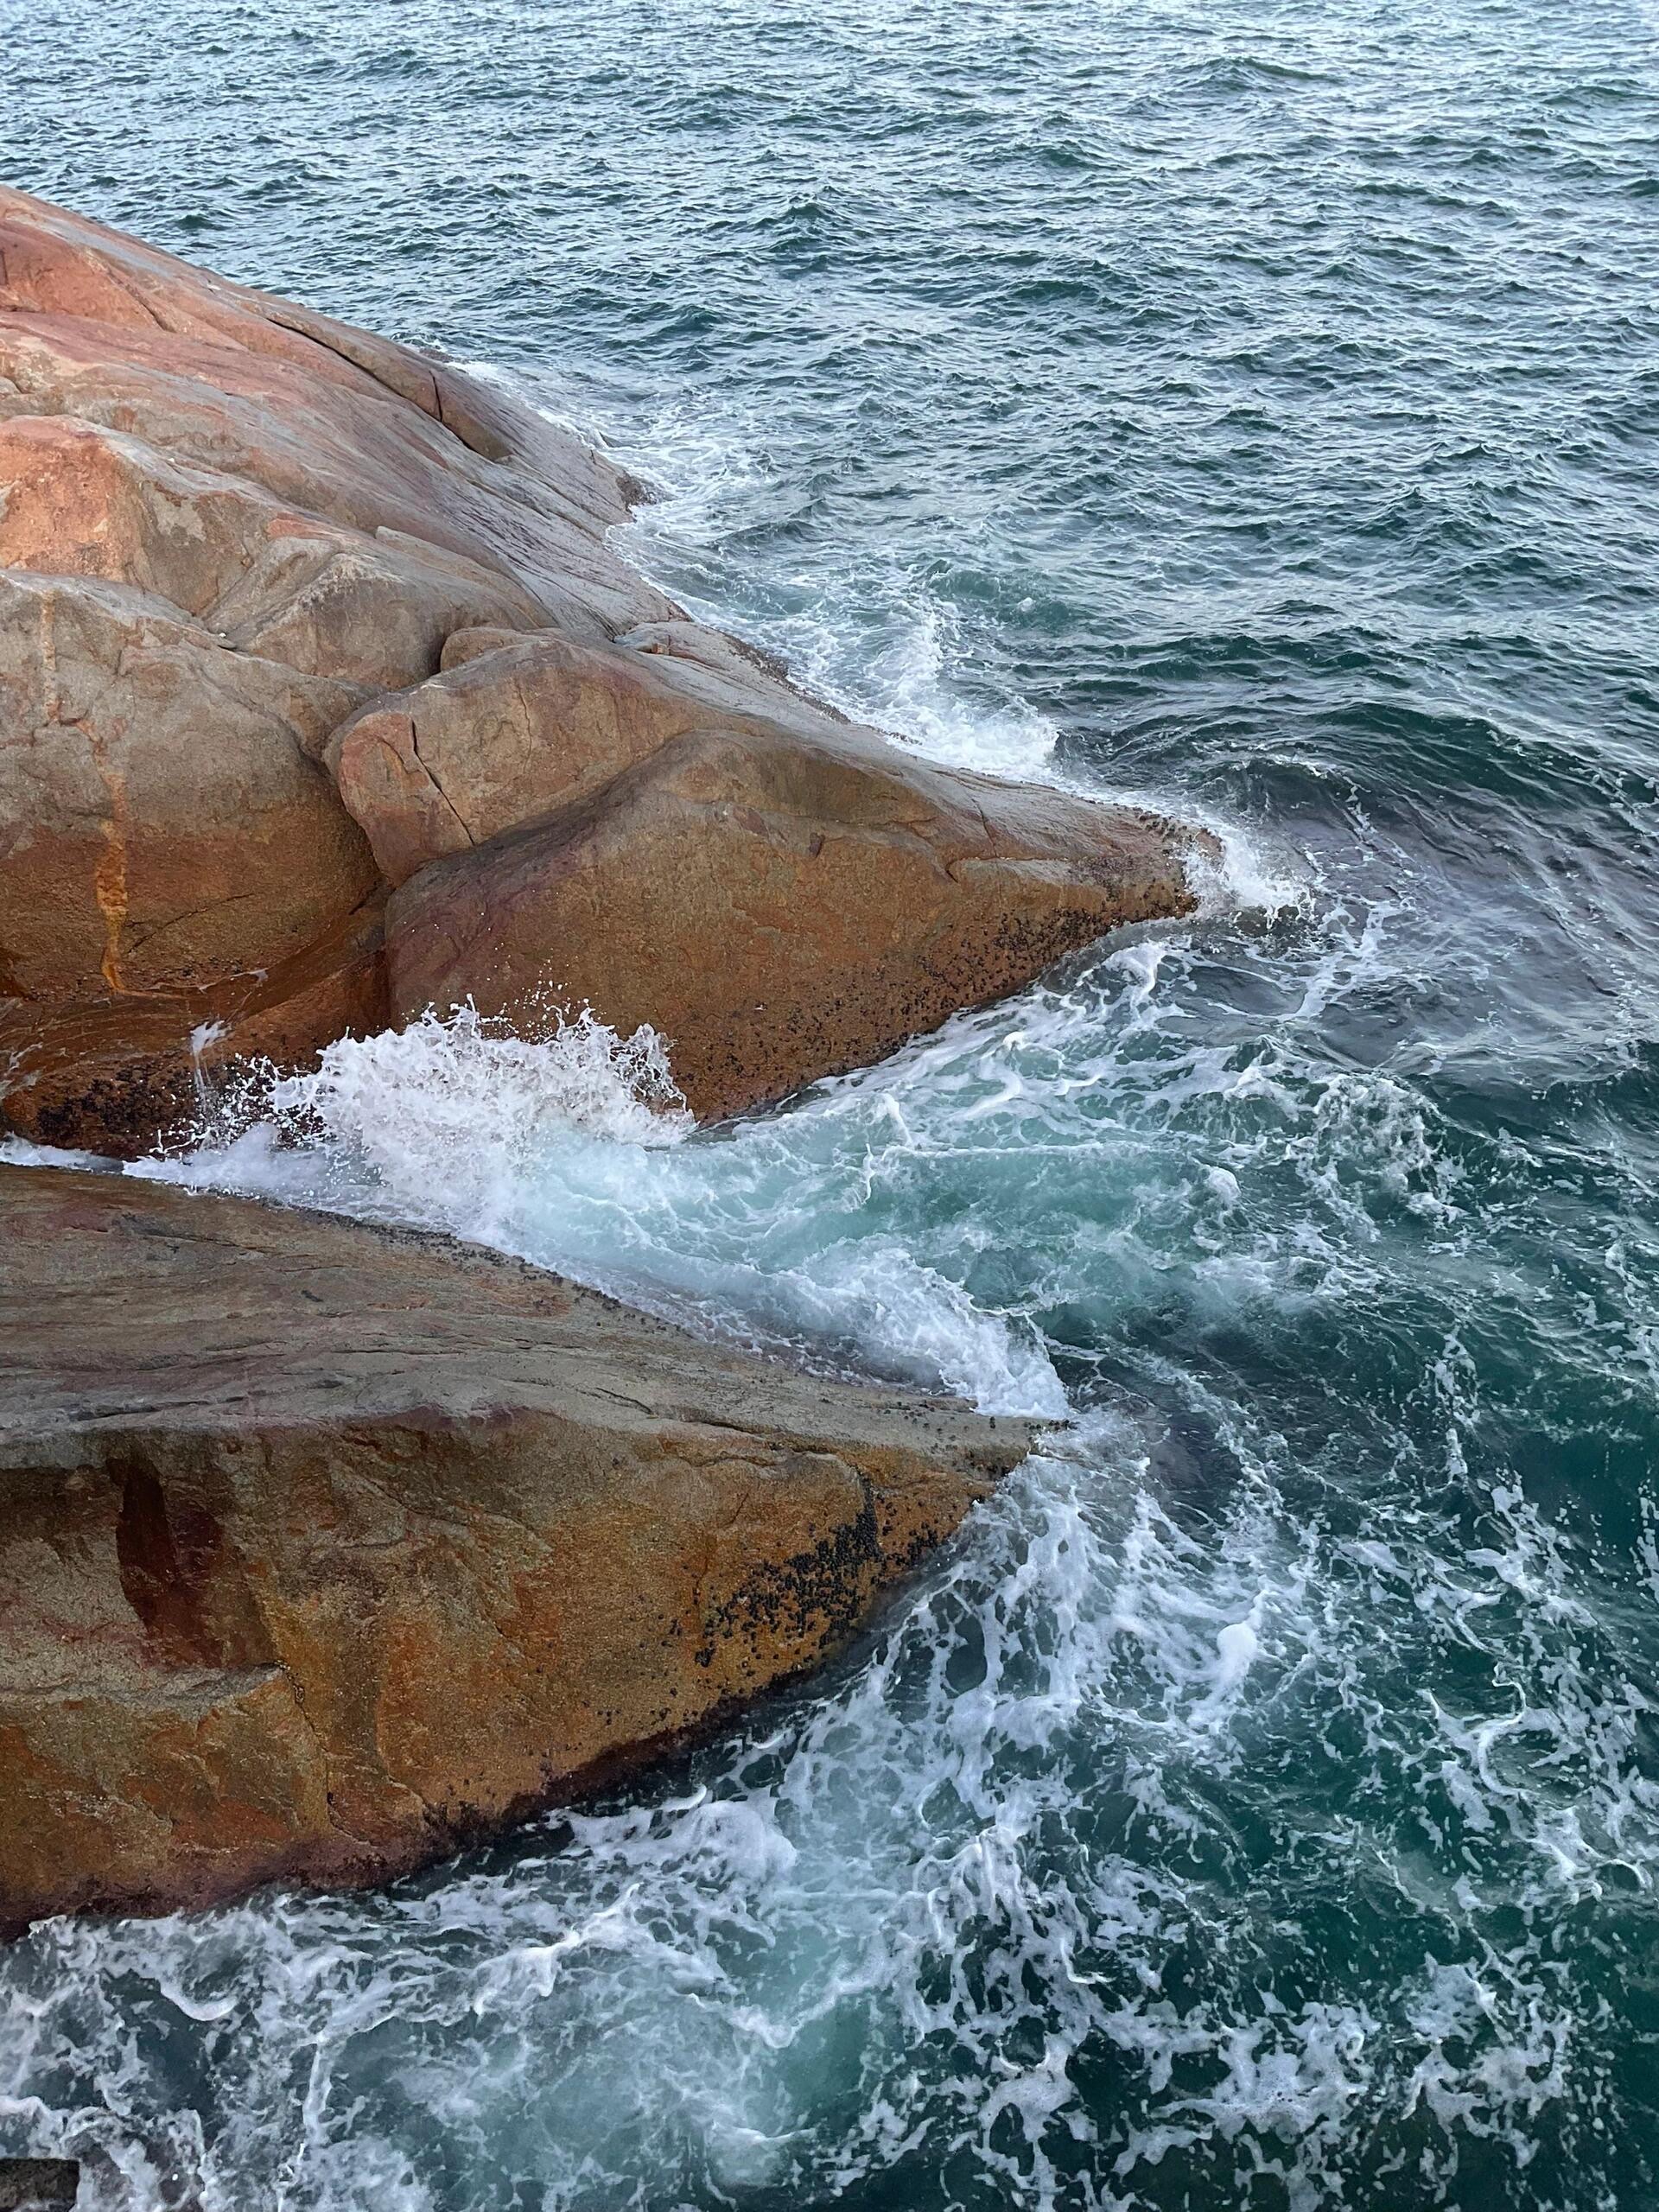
(225, 524)
(144, 891)
(293, 618)
(781, 905)
(323, 1549)
(532, 726)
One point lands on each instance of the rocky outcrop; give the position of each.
(146, 892)
(295, 620)
(225, 525)
(323, 1549)
(781, 905)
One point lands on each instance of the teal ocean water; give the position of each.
(1252, 408)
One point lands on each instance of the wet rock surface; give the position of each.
(325, 1549)
(293, 618)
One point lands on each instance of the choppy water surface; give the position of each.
(1253, 407)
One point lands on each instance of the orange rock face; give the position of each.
(323, 1550)
(325, 698)
(225, 525)
(295, 621)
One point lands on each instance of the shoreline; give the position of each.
(683, 1317)
(354, 712)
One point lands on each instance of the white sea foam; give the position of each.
(434, 1122)
(20, 1152)
(569, 1149)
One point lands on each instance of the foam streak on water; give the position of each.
(1247, 407)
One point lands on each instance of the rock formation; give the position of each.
(324, 698)
(295, 620)
(323, 1549)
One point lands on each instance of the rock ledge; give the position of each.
(325, 1549)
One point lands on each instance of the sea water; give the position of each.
(1249, 408)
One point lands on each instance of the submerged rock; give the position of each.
(293, 618)
(38, 2184)
(325, 1549)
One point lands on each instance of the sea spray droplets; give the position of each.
(439, 1122)
(569, 1148)
(460, 1097)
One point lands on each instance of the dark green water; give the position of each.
(1254, 408)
